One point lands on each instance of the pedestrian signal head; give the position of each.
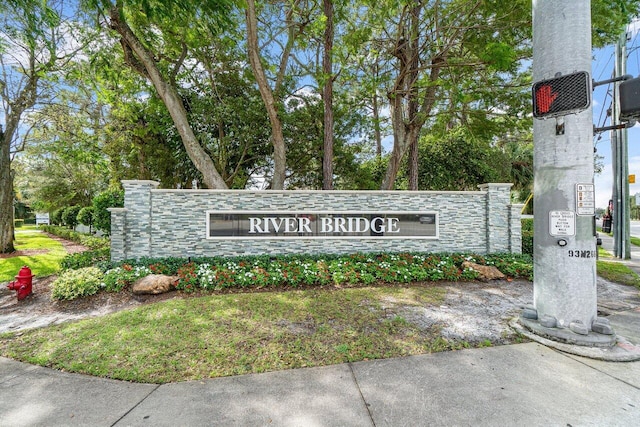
(561, 95)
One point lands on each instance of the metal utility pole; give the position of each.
(620, 163)
(564, 293)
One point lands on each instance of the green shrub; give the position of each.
(513, 265)
(117, 279)
(93, 242)
(70, 216)
(56, 217)
(59, 231)
(73, 284)
(527, 243)
(103, 201)
(86, 215)
(258, 272)
(527, 236)
(85, 259)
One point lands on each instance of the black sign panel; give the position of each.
(321, 225)
(630, 99)
(561, 95)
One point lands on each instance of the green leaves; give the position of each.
(610, 18)
(499, 56)
(458, 161)
(113, 198)
(73, 284)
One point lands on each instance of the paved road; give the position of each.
(634, 229)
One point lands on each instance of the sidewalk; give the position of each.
(633, 263)
(523, 384)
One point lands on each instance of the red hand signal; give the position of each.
(544, 98)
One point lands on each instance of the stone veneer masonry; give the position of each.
(172, 223)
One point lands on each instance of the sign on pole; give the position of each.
(565, 300)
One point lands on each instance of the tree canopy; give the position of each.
(401, 94)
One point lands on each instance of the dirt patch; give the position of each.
(38, 310)
(474, 311)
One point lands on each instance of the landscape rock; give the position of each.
(486, 272)
(154, 284)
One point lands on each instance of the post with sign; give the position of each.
(564, 294)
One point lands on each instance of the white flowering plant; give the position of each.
(259, 272)
(357, 269)
(116, 279)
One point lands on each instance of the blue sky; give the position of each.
(602, 69)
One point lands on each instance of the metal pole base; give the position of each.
(568, 336)
(611, 348)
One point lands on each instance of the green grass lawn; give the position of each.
(615, 271)
(41, 264)
(233, 334)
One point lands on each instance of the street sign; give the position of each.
(585, 199)
(561, 95)
(42, 218)
(562, 223)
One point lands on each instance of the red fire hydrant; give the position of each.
(23, 283)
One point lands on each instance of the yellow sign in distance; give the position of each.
(632, 179)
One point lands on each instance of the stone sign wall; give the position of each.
(196, 223)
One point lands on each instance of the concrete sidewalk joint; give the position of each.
(364, 401)
(135, 406)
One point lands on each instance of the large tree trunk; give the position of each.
(25, 100)
(277, 137)
(410, 104)
(327, 95)
(404, 96)
(403, 135)
(6, 196)
(413, 165)
(376, 126)
(406, 131)
(142, 61)
(414, 52)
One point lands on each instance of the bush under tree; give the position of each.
(56, 216)
(102, 202)
(70, 216)
(86, 216)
